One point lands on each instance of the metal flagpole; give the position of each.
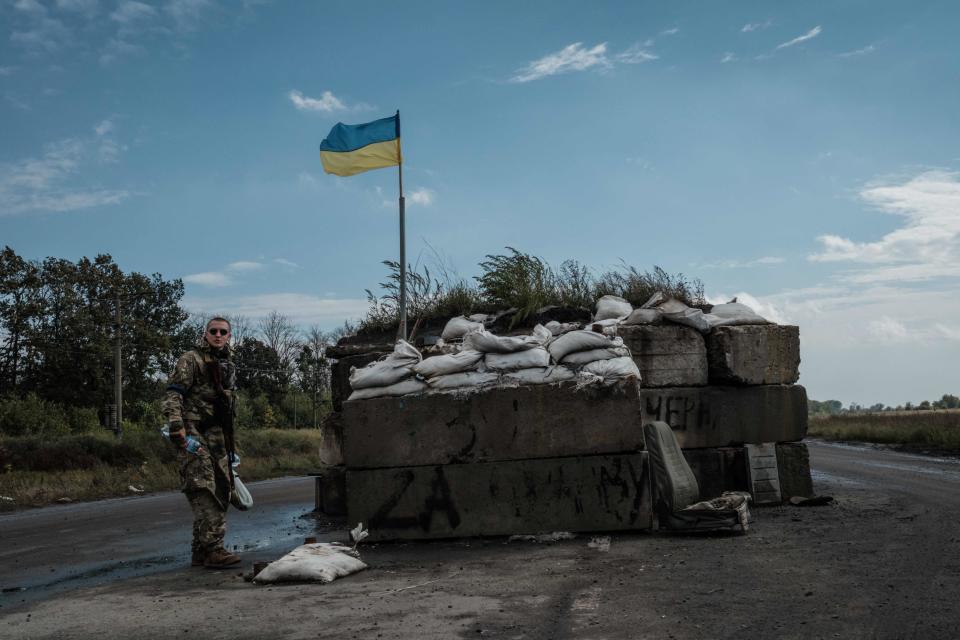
(403, 243)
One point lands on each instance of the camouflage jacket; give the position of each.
(190, 392)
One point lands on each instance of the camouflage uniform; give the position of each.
(190, 401)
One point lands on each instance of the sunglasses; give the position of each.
(219, 332)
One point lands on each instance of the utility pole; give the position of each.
(117, 374)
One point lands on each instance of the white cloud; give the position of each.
(209, 279)
(303, 309)
(858, 52)
(740, 264)
(105, 127)
(87, 8)
(949, 332)
(887, 329)
(131, 11)
(728, 57)
(44, 35)
(755, 26)
(636, 54)
(573, 57)
(670, 32)
(287, 263)
(765, 308)
(927, 245)
(421, 196)
(187, 14)
(326, 103)
(117, 48)
(244, 265)
(809, 35)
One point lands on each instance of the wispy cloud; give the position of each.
(88, 8)
(233, 272)
(927, 246)
(635, 54)
(858, 52)
(187, 14)
(743, 264)
(245, 265)
(755, 26)
(209, 279)
(421, 196)
(728, 57)
(303, 309)
(576, 57)
(670, 32)
(286, 263)
(327, 102)
(809, 35)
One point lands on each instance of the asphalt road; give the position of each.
(883, 561)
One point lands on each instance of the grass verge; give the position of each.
(939, 430)
(34, 480)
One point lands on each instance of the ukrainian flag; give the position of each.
(350, 149)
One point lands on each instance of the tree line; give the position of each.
(835, 407)
(59, 322)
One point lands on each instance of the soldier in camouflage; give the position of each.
(199, 394)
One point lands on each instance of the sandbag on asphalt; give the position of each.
(540, 375)
(536, 357)
(612, 307)
(644, 316)
(402, 388)
(317, 562)
(486, 342)
(457, 327)
(579, 358)
(388, 370)
(574, 341)
(465, 360)
(461, 380)
(609, 371)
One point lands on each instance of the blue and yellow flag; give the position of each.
(350, 149)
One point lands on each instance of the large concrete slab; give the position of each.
(793, 459)
(754, 354)
(667, 355)
(728, 416)
(541, 421)
(591, 493)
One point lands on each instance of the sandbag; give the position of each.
(478, 317)
(536, 357)
(644, 316)
(486, 342)
(457, 327)
(540, 375)
(465, 360)
(559, 328)
(579, 358)
(581, 340)
(402, 388)
(317, 562)
(676, 311)
(734, 313)
(612, 307)
(388, 370)
(465, 379)
(613, 369)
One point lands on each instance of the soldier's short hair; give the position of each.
(218, 319)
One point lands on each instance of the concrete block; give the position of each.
(793, 460)
(590, 493)
(667, 355)
(728, 416)
(719, 469)
(754, 354)
(331, 491)
(340, 375)
(542, 421)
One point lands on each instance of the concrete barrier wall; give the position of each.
(667, 355)
(590, 493)
(754, 354)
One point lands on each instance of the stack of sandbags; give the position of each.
(597, 357)
(520, 359)
(729, 314)
(455, 370)
(392, 375)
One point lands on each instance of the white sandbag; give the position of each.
(388, 370)
(465, 379)
(465, 360)
(457, 327)
(486, 342)
(317, 562)
(612, 307)
(675, 311)
(536, 357)
(541, 334)
(612, 370)
(402, 388)
(644, 316)
(574, 341)
(478, 317)
(560, 328)
(579, 358)
(540, 375)
(653, 300)
(735, 313)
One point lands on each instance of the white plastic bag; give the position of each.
(465, 379)
(402, 388)
(578, 358)
(388, 370)
(317, 562)
(540, 375)
(609, 371)
(536, 357)
(644, 316)
(465, 360)
(612, 307)
(486, 342)
(457, 327)
(574, 341)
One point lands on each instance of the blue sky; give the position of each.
(804, 156)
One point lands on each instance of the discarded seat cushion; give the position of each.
(317, 562)
(464, 360)
(612, 307)
(527, 359)
(677, 492)
(457, 327)
(389, 370)
(402, 388)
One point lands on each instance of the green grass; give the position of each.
(933, 429)
(96, 466)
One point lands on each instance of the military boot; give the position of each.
(220, 558)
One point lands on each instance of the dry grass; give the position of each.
(938, 429)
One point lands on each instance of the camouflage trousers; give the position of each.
(203, 478)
